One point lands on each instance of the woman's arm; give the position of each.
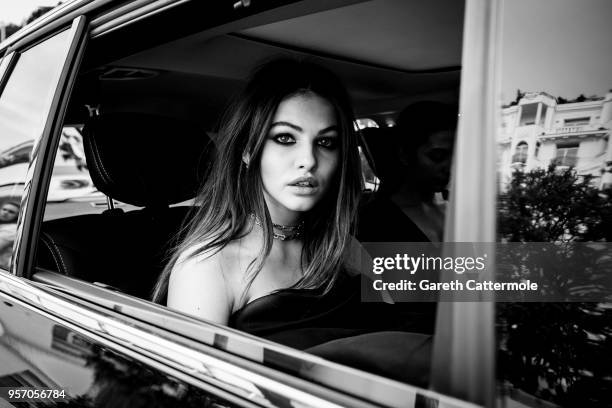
(197, 287)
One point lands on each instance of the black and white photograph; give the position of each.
(306, 203)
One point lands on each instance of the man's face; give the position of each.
(433, 161)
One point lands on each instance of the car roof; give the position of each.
(376, 33)
(406, 51)
(388, 52)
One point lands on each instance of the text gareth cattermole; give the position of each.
(412, 264)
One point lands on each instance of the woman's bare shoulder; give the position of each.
(224, 259)
(198, 286)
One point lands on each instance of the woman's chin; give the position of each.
(299, 205)
(284, 206)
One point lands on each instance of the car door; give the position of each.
(47, 362)
(231, 365)
(131, 339)
(53, 348)
(44, 359)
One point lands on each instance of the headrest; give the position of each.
(381, 145)
(145, 160)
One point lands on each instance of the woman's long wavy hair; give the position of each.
(232, 190)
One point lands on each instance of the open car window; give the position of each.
(140, 110)
(135, 127)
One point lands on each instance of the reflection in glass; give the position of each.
(35, 351)
(555, 185)
(24, 105)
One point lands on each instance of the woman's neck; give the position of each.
(285, 218)
(281, 232)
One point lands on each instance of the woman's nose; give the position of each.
(306, 158)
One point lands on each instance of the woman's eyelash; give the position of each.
(283, 138)
(287, 139)
(327, 142)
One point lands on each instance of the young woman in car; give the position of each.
(276, 211)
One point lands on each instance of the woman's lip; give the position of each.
(303, 190)
(308, 179)
(309, 184)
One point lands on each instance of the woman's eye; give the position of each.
(284, 138)
(327, 142)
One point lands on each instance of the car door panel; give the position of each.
(39, 352)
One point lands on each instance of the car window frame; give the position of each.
(276, 362)
(51, 22)
(26, 219)
(479, 13)
(465, 331)
(40, 169)
(7, 62)
(100, 297)
(191, 361)
(29, 288)
(294, 368)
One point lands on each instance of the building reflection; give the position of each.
(539, 130)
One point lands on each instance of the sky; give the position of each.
(562, 47)
(15, 11)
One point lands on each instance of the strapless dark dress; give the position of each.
(302, 318)
(388, 339)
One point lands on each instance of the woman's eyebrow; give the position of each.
(283, 123)
(299, 129)
(332, 128)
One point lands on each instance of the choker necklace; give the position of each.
(285, 232)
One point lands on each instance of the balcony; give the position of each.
(571, 129)
(574, 132)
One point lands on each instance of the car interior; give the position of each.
(149, 108)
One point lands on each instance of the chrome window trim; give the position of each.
(41, 22)
(61, 15)
(7, 63)
(6, 66)
(130, 13)
(464, 346)
(212, 366)
(179, 374)
(151, 313)
(367, 387)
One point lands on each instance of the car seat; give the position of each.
(145, 160)
(382, 157)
